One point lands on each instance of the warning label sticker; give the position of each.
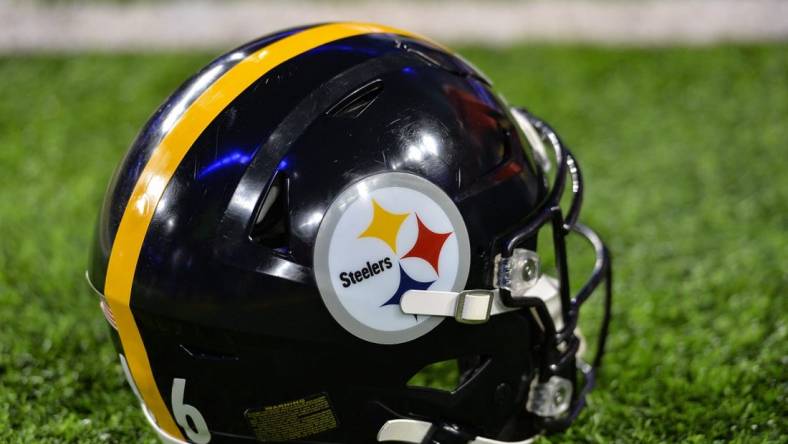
(292, 420)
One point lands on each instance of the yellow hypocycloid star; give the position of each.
(384, 225)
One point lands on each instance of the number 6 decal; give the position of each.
(199, 433)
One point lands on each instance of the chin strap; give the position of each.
(421, 432)
(476, 306)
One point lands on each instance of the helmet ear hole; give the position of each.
(469, 367)
(440, 375)
(271, 226)
(448, 375)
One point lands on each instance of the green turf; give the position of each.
(684, 153)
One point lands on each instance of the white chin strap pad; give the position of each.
(413, 431)
(476, 307)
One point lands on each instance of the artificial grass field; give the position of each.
(685, 153)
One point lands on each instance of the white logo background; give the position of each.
(350, 236)
(347, 252)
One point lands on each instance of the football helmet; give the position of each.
(320, 214)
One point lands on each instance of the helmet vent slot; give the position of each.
(271, 226)
(355, 103)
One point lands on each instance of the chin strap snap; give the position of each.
(422, 432)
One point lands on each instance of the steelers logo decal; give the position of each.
(383, 236)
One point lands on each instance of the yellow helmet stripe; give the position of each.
(159, 170)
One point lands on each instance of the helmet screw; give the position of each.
(530, 270)
(558, 399)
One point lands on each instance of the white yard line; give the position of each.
(199, 24)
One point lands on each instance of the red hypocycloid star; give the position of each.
(428, 245)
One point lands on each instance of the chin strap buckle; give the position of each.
(550, 399)
(474, 306)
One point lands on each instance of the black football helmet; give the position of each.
(321, 213)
